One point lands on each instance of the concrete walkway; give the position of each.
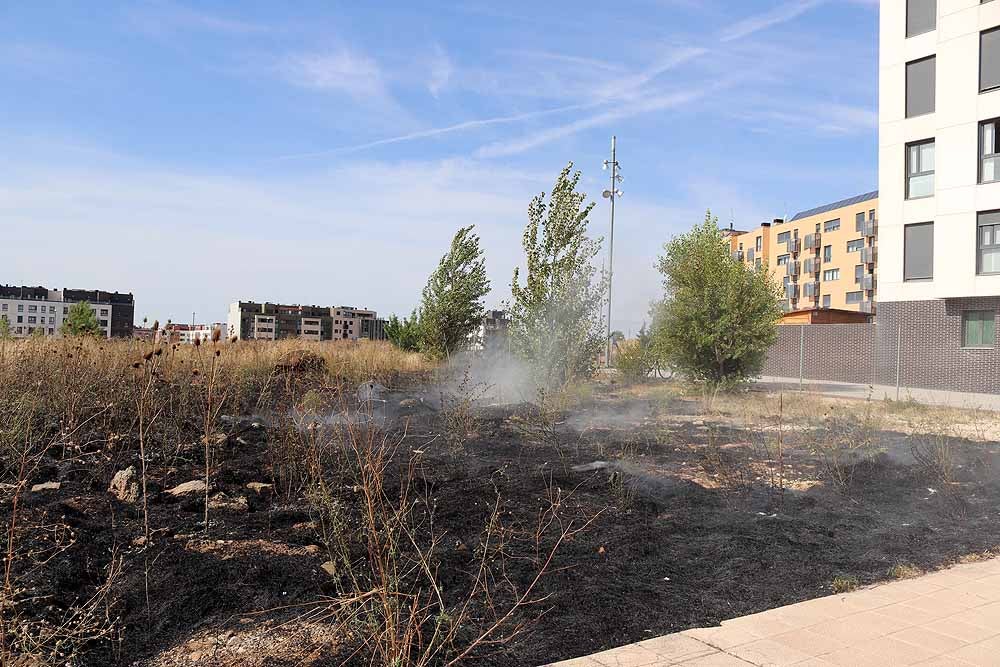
(953, 399)
(950, 617)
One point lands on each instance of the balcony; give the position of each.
(868, 282)
(792, 291)
(793, 245)
(738, 255)
(811, 290)
(750, 255)
(870, 228)
(813, 241)
(792, 269)
(811, 265)
(867, 307)
(785, 306)
(869, 255)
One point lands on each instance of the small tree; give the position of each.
(555, 316)
(404, 333)
(4, 328)
(452, 305)
(719, 316)
(81, 321)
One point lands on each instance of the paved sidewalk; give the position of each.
(954, 399)
(950, 617)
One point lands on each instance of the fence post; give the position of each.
(899, 337)
(802, 353)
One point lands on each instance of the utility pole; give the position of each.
(612, 194)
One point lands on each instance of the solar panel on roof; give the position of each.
(835, 205)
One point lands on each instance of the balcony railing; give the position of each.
(869, 255)
(793, 245)
(750, 255)
(870, 228)
(792, 269)
(792, 291)
(811, 265)
(813, 241)
(867, 307)
(738, 255)
(811, 290)
(868, 282)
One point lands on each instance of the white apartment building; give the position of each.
(939, 185)
(37, 310)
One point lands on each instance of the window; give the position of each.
(784, 236)
(855, 245)
(782, 260)
(31, 319)
(20, 307)
(920, 169)
(20, 319)
(989, 151)
(918, 251)
(855, 297)
(859, 221)
(831, 225)
(859, 273)
(4, 307)
(988, 243)
(871, 215)
(920, 86)
(989, 60)
(978, 328)
(828, 253)
(32, 309)
(104, 312)
(760, 243)
(826, 300)
(831, 274)
(921, 16)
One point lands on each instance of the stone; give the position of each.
(260, 488)
(221, 501)
(188, 488)
(46, 486)
(312, 549)
(125, 486)
(330, 568)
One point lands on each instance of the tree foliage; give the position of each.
(4, 328)
(404, 332)
(81, 321)
(555, 316)
(718, 316)
(451, 308)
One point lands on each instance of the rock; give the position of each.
(407, 403)
(370, 391)
(194, 657)
(125, 486)
(260, 488)
(330, 568)
(188, 488)
(312, 549)
(221, 501)
(46, 486)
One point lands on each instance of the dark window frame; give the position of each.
(995, 122)
(981, 322)
(906, 89)
(979, 242)
(906, 167)
(993, 88)
(917, 279)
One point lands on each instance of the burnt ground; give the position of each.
(674, 543)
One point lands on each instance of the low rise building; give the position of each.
(249, 320)
(39, 310)
(187, 333)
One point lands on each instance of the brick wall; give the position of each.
(930, 353)
(837, 352)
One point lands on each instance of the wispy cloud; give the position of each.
(629, 86)
(160, 17)
(781, 14)
(344, 71)
(651, 104)
(441, 71)
(438, 131)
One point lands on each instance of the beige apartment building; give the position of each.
(823, 257)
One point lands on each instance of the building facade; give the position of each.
(939, 183)
(38, 310)
(824, 258)
(250, 320)
(187, 333)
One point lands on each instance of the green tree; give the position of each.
(451, 309)
(718, 316)
(404, 332)
(4, 328)
(555, 316)
(81, 321)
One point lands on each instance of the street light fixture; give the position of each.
(612, 193)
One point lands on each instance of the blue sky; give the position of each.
(325, 152)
